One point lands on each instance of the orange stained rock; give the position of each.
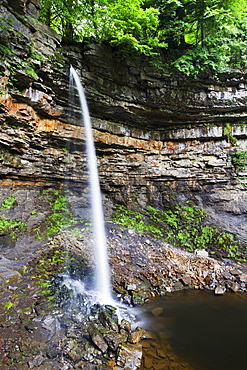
(52, 151)
(72, 131)
(64, 129)
(171, 146)
(111, 363)
(24, 111)
(19, 110)
(49, 125)
(136, 156)
(127, 141)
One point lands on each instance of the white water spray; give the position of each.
(102, 274)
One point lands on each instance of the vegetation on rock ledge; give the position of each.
(184, 227)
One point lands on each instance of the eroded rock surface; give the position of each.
(156, 136)
(153, 131)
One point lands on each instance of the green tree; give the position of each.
(203, 34)
(121, 22)
(217, 32)
(199, 35)
(62, 16)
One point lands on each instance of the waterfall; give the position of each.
(102, 270)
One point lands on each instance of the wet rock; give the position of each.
(129, 356)
(125, 325)
(234, 287)
(76, 354)
(51, 323)
(50, 365)
(220, 290)
(97, 338)
(136, 335)
(131, 287)
(85, 366)
(90, 352)
(138, 299)
(37, 361)
(157, 311)
(113, 339)
(109, 319)
(52, 352)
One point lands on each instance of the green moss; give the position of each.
(60, 216)
(9, 203)
(183, 226)
(227, 132)
(240, 159)
(11, 227)
(31, 72)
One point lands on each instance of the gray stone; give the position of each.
(201, 253)
(227, 275)
(243, 278)
(220, 290)
(129, 356)
(113, 339)
(234, 286)
(37, 361)
(186, 280)
(97, 338)
(108, 321)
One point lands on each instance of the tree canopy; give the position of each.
(196, 35)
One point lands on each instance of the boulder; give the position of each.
(220, 290)
(129, 356)
(97, 338)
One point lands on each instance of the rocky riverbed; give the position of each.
(43, 326)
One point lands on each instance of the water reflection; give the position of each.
(207, 332)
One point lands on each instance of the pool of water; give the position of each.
(206, 331)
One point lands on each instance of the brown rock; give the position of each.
(186, 280)
(234, 286)
(136, 335)
(157, 311)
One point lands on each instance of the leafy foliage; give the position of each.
(61, 215)
(183, 227)
(240, 159)
(199, 35)
(9, 202)
(123, 23)
(11, 227)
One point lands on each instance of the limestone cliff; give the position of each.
(155, 133)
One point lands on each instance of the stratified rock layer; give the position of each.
(154, 133)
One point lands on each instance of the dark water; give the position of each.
(208, 332)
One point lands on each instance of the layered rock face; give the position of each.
(156, 134)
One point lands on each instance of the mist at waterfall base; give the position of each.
(102, 289)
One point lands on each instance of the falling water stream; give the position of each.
(207, 332)
(102, 271)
